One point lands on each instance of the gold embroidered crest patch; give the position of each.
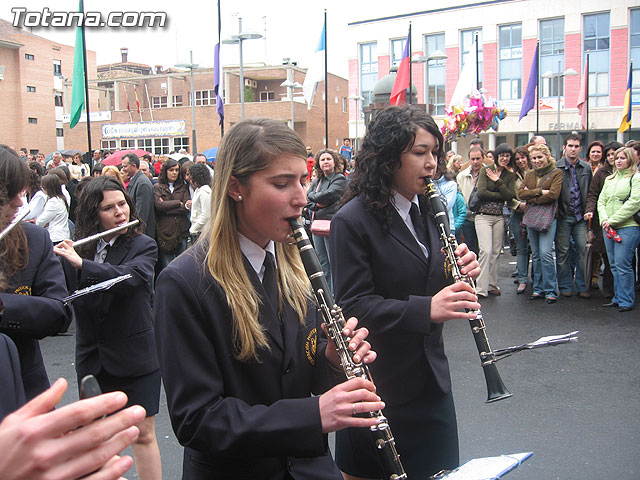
(310, 346)
(23, 290)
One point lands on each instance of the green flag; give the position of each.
(77, 84)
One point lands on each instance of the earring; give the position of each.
(239, 198)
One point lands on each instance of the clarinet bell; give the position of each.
(495, 387)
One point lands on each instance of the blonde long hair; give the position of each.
(248, 147)
(632, 157)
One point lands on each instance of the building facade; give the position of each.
(508, 32)
(149, 108)
(35, 89)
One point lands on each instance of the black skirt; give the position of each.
(425, 432)
(143, 390)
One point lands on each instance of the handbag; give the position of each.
(474, 201)
(540, 217)
(169, 242)
(636, 216)
(321, 228)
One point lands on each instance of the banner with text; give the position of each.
(144, 129)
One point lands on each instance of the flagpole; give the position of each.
(538, 88)
(477, 69)
(326, 86)
(149, 101)
(587, 97)
(219, 98)
(410, 69)
(86, 86)
(630, 99)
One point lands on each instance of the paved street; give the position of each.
(575, 406)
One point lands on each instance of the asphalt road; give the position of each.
(574, 406)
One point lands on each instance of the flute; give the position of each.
(334, 321)
(495, 388)
(13, 223)
(92, 238)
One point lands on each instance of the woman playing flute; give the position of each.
(240, 344)
(114, 338)
(389, 271)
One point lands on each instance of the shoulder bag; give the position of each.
(540, 217)
(320, 228)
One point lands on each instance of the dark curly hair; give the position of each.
(200, 175)
(14, 176)
(87, 218)
(391, 132)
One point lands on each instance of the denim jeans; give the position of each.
(542, 265)
(522, 247)
(166, 258)
(321, 244)
(468, 230)
(620, 257)
(569, 227)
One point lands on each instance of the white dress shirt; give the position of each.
(403, 206)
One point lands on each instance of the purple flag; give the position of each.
(529, 99)
(216, 82)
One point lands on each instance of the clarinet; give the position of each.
(334, 321)
(495, 388)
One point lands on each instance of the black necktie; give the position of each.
(269, 280)
(419, 226)
(105, 252)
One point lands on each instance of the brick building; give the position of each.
(164, 121)
(508, 31)
(35, 88)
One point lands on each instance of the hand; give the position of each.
(339, 405)
(447, 303)
(357, 344)
(38, 442)
(588, 216)
(188, 204)
(521, 207)
(605, 225)
(65, 250)
(495, 176)
(467, 261)
(544, 192)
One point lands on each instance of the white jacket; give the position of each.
(200, 209)
(55, 218)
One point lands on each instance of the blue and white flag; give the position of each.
(315, 72)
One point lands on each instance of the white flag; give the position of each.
(467, 80)
(315, 72)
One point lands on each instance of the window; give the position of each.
(57, 67)
(522, 139)
(344, 104)
(29, 56)
(510, 61)
(596, 40)
(181, 142)
(552, 56)
(57, 98)
(159, 102)
(204, 97)
(127, 144)
(368, 71)
(59, 132)
(267, 96)
(33, 120)
(31, 89)
(435, 75)
(397, 49)
(145, 144)
(467, 38)
(177, 101)
(634, 52)
(108, 145)
(160, 146)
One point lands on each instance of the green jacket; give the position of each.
(613, 205)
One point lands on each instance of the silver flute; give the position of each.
(93, 238)
(334, 321)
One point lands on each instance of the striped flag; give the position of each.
(315, 72)
(626, 112)
(402, 81)
(135, 91)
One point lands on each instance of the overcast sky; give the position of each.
(292, 29)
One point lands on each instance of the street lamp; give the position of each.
(569, 72)
(290, 86)
(192, 97)
(435, 56)
(358, 98)
(241, 37)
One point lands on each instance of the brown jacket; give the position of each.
(170, 209)
(531, 191)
